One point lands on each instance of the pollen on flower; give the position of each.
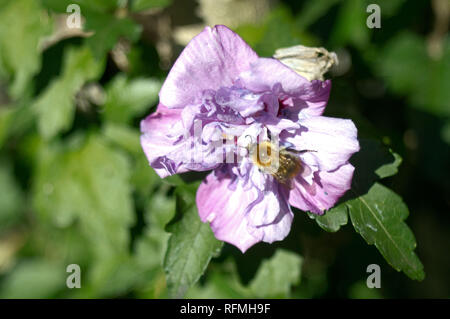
(262, 154)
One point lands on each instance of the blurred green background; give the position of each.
(75, 186)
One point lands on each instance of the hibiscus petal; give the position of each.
(237, 215)
(325, 191)
(271, 218)
(271, 75)
(160, 119)
(242, 101)
(172, 149)
(212, 59)
(225, 210)
(330, 141)
(158, 140)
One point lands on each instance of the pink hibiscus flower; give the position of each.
(279, 150)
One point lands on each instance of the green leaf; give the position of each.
(161, 210)
(221, 282)
(152, 246)
(122, 268)
(278, 30)
(388, 7)
(55, 106)
(91, 5)
(373, 162)
(108, 30)
(36, 278)
(351, 25)
(16, 119)
(431, 93)
(191, 245)
(379, 217)
(276, 275)
(312, 11)
(143, 177)
(11, 197)
(403, 60)
(185, 178)
(333, 219)
(409, 70)
(55, 109)
(174, 180)
(389, 169)
(376, 212)
(87, 182)
(445, 132)
(132, 272)
(126, 99)
(141, 5)
(19, 39)
(6, 117)
(126, 137)
(359, 290)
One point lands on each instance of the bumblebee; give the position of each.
(282, 163)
